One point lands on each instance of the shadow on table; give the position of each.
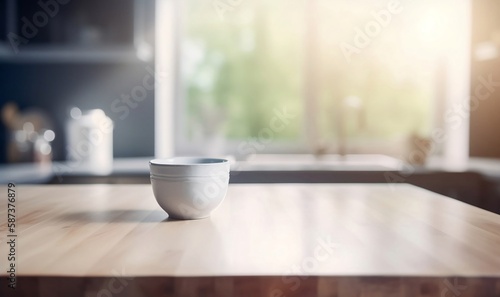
(118, 216)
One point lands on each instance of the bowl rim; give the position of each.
(188, 161)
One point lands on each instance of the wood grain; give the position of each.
(264, 240)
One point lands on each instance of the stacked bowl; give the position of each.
(189, 187)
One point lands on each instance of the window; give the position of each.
(357, 76)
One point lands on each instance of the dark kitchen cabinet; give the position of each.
(76, 30)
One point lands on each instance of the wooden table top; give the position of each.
(259, 230)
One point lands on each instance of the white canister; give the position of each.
(90, 141)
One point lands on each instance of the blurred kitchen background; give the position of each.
(82, 54)
(381, 85)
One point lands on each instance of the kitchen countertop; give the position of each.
(23, 173)
(283, 164)
(264, 240)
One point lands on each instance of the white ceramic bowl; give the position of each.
(189, 188)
